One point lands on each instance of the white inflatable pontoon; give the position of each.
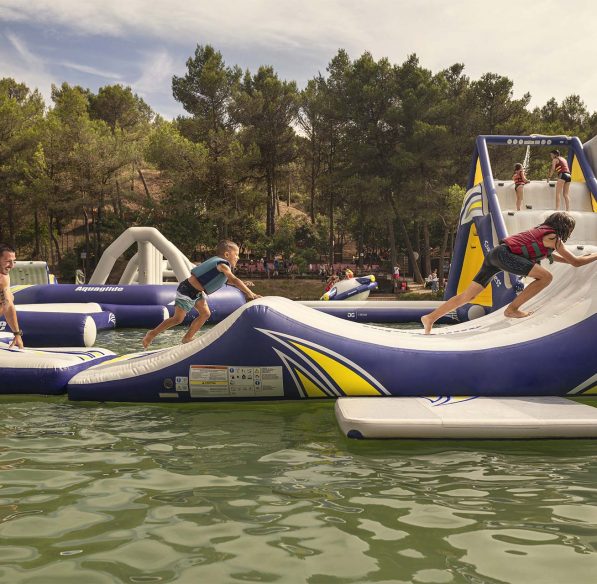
(467, 417)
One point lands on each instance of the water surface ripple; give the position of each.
(272, 492)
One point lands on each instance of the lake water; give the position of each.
(273, 492)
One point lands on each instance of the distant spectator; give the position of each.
(434, 281)
(396, 278)
(332, 281)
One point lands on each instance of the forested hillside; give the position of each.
(372, 152)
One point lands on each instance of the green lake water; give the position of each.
(273, 492)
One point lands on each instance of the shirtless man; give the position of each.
(7, 307)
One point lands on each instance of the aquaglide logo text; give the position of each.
(99, 289)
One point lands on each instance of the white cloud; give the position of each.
(91, 70)
(25, 67)
(544, 46)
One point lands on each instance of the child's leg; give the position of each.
(175, 319)
(204, 314)
(542, 279)
(567, 195)
(474, 289)
(519, 191)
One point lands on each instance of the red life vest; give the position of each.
(561, 165)
(517, 178)
(529, 244)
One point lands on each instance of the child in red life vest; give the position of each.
(559, 165)
(332, 281)
(520, 180)
(520, 254)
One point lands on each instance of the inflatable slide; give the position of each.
(274, 348)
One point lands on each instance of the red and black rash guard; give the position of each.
(530, 243)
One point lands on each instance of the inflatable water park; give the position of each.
(462, 380)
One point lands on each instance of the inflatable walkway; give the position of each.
(274, 348)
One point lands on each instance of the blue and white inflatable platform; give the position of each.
(273, 348)
(43, 371)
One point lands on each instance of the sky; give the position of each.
(546, 48)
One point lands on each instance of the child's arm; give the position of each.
(237, 282)
(524, 177)
(565, 257)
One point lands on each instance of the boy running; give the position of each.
(205, 279)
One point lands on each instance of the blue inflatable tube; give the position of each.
(221, 305)
(144, 316)
(55, 329)
(379, 311)
(104, 320)
(102, 294)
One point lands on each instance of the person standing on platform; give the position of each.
(520, 179)
(559, 165)
(7, 308)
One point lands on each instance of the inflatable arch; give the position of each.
(147, 265)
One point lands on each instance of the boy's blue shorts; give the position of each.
(187, 296)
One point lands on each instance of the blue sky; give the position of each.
(547, 48)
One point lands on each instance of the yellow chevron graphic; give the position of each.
(18, 288)
(310, 388)
(590, 391)
(348, 381)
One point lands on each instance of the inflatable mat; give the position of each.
(44, 371)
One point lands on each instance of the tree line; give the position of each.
(371, 151)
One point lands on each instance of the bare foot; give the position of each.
(186, 339)
(147, 339)
(427, 323)
(509, 313)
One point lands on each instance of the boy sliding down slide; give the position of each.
(520, 254)
(205, 279)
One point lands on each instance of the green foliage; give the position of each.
(372, 151)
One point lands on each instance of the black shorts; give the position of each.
(565, 176)
(501, 259)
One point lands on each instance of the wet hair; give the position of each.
(5, 247)
(554, 151)
(562, 223)
(518, 166)
(224, 246)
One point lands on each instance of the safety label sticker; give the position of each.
(219, 381)
(182, 383)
